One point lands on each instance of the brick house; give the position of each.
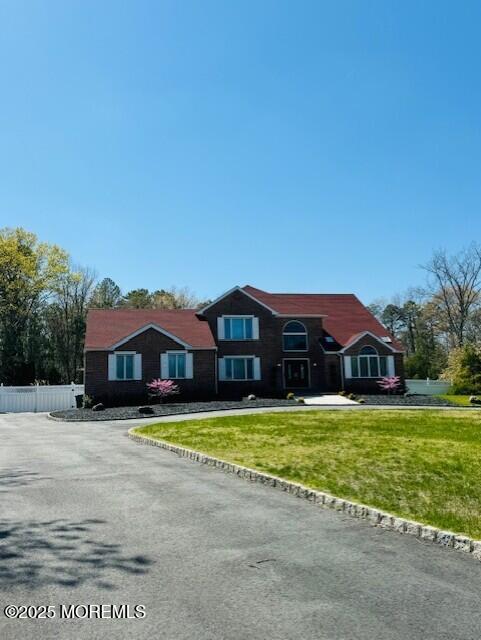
(245, 341)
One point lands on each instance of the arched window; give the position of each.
(294, 336)
(368, 364)
(368, 351)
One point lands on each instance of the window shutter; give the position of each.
(255, 328)
(138, 366)
(221, 363)
(112, 367)
(257, 368)
(347, 366)
(220, 329)
(390, 366)
(189, 365)
(164, 366)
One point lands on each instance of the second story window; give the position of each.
(238, 328)
(294, 336)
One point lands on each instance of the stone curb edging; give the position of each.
(375, 516)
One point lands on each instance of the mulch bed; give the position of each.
(129, 413)
(411, 401)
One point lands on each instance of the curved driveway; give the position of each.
(89, 517)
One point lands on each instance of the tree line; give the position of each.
(439, 322)
(44, 299)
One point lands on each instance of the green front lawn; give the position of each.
(423, 465)
(463, 401)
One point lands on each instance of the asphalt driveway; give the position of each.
(89, 517)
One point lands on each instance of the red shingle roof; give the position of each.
(346, 317)
(106, 327)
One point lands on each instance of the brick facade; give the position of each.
(325, 369)
(268, 348)
(370, 385)
(150, 344)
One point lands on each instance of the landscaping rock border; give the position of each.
(375, 516)
(168, 409)
(405, 401)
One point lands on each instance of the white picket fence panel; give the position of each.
(39, 398)
(428, 387)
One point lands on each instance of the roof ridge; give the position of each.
(120, 309)
(295, 293)
(312, 294)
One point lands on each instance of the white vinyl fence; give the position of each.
(39, 398)
(428, 387)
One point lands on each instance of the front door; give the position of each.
(296, 374)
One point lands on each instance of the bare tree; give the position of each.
(66, 319)
(175, 298)
(456, 284)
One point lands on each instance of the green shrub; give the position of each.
(290, 396)
(352, 396)
(342, 393)
(464, 370)
(301, 400)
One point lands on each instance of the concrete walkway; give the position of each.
(329, 400)
(87, 517)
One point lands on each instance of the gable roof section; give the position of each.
(243, 290)
(358, 336)
(109, 327)
(346, 316)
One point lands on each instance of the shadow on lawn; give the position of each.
(36, 554)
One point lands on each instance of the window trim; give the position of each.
(177, 354)
(295, 333)
(116, 354)
(238, 317)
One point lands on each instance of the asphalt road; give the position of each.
(89, 517)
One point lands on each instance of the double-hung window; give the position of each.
(369, 364)
(176, 363)
(239, 368)
(238, 328)
(124, 366)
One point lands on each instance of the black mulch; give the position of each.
(128, 413)
(411, 401)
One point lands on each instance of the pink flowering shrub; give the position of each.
(390, 384)
(162, 388)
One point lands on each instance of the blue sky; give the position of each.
(296, 146)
